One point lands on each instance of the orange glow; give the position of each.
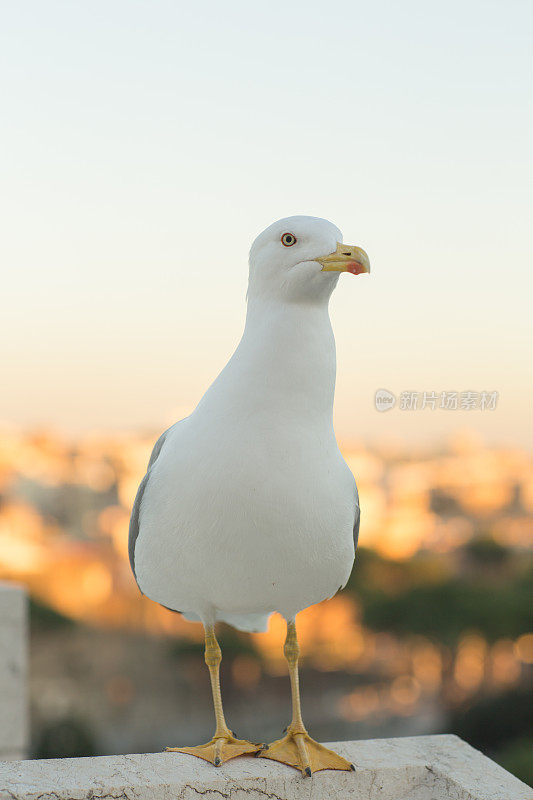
(329, 634)
(96, 584)
(405, 691)
(360, 703)
(427, 666)
(469, 669)
(114, 521)
(524, 648)
(504, 665)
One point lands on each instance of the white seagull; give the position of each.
(247, 506)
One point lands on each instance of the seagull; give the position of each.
(247, 506)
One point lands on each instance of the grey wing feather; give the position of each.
(134, 519)
(134, 523)
(157, 448)
(356, 527)
(356, 521)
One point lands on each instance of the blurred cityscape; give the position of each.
(434, 632)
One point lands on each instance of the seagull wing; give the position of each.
(134, 519)
(356, 522)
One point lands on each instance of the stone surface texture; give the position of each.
(13, 671)
(417, 768)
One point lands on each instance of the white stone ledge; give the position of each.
(415, 768)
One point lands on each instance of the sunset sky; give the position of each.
(144, 146)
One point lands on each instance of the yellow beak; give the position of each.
(346, 258)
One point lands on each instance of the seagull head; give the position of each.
(299, 259)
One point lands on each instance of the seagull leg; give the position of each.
(297, 748)
(224, 745)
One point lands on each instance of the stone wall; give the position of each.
(13, 672)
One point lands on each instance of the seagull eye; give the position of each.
(288, 239)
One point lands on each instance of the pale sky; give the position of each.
(145, 144)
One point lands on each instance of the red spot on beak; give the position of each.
(355, 267)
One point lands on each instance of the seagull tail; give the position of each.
(250, 623)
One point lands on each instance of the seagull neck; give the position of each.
(292, 346)
(268, 312)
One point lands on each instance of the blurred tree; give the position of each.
(485, 551)
(45, 618)
(69, 737)
(420, 595)
(502, 727)
(486, 559)
(446, 610)
(444, 504)
(491, 721)
(517, 757)
(374, 574)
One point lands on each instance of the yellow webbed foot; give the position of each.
(297, 749)
(219, 749)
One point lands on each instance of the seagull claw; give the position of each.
(298, 750)
(219, 749)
